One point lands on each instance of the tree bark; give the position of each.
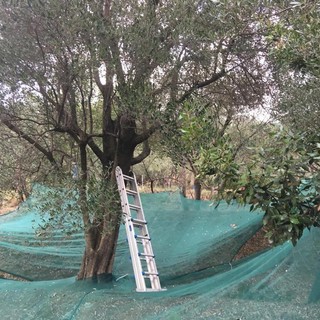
(98, 260)
(197, 189)
(101, 237)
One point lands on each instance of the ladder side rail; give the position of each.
(147, 248)
(134, 253)
(132, 189)
(151, 265)
(137, 200)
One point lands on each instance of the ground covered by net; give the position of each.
(194, 243)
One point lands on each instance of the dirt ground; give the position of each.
(255, 244)
(7, 209)
(9, 202)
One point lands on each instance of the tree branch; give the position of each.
(144, 154)
(146, 134)
(26, 137)
(215, 77)
(96, 150)
(225, 124)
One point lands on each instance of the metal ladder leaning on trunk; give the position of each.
(142, 257)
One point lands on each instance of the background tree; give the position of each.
(198, 128)
(158, 170)
(208, 137)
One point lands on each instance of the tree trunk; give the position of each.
(184, 183)
(101, 234)
(197, 189)
(98, 262)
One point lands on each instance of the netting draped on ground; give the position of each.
(194, 243)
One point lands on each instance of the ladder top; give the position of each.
(125, 177)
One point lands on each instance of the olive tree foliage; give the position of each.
(107, 75)
(197, 135)
(197, 141)
(15, 166)
(297, 56)
(282, 177)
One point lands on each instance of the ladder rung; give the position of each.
(138, 222)
(131, 192)
(142, 237)
(147, 273)
(128, 178)
(152, 290)
(134, 207)
(141, 254)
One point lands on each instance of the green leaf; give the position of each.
(294, 220)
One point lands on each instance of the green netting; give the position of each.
(194, 245)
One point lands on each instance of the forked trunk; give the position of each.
(102, 231)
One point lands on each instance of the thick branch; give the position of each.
(98, 81)
(144, 154)
(116, 58)
(145, 135)
(215, 77)
(96, 150)
(106, 9)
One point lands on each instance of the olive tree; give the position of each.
(108, 74)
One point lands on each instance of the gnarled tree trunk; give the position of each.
(98, 257)
(101, 233)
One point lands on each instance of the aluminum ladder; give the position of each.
(142, 257)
